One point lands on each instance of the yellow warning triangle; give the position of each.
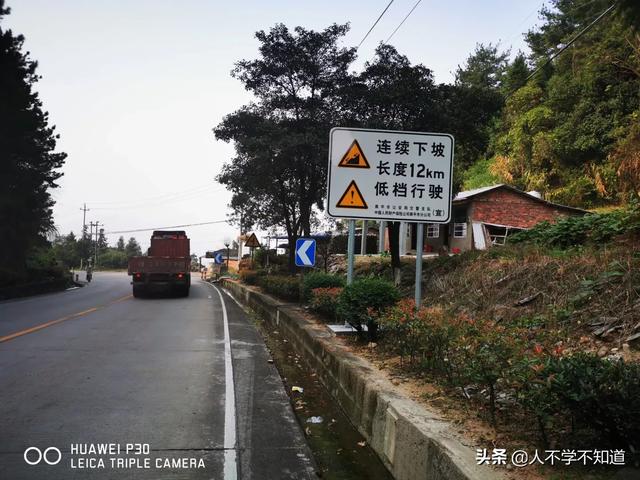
(354, 158)
(352, 198)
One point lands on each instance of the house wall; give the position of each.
(504, 207)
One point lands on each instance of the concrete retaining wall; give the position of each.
(413, 443)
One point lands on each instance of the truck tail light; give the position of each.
(138, 275)
(180, 275)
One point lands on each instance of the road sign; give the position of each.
(305, 252)
(390, 175)
(252, 241)
(218, 258)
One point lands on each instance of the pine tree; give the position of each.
(28, 160)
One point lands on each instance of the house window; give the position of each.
(459, 230)
(433, 230)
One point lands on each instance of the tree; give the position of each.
(132, 248)
(120, 244)
(65, 249)
(279, 171)
(570, 131)
(28, 161)
(102, 241)
(391, 94)
(485, 68)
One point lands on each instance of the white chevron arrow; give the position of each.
(302, 252)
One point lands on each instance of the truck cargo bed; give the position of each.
(158, 265)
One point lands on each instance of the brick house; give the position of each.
(486, 216)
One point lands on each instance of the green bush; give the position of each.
(250, 277)
(601, 395)
(113, 259)
(364, 300)
(579, 230)
(285, 287)
(325, 301)
(319, 280)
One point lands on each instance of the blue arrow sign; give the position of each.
(218, 259)
(305, 252)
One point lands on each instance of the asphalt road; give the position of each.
(189, 377)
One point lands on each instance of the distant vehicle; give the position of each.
(166, 267)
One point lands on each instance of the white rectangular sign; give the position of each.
(390, 175)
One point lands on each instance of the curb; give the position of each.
(413, 443)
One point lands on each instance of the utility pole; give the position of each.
(95, 261)
(84, 226)
(84, 216)
(96, 224)
(91, 233)
(240, 242)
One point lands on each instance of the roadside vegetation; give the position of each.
(540, 335)
(562, 123)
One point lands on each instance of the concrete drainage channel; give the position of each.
(410, 441)
(341, 453)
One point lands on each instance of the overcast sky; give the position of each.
(135, 87)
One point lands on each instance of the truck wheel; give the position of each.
(138, 291)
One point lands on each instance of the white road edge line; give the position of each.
(230, 453)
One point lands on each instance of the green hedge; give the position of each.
(285, 287)
(593, 399)
(319, 280)
(361, 302)
(324, 301)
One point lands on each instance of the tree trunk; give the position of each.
(292, 252)
(394, 246)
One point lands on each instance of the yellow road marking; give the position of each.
(59, 320)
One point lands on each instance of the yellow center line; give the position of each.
(59, 320)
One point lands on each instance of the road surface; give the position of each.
(96, 368)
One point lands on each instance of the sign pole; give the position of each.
(350, 249)
(419, 248)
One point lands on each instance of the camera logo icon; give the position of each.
(51, 456)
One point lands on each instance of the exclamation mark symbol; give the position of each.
(352, 192)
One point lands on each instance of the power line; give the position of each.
(155, 197)
(403, 20)
(375, 23)
(550, 59)
(176, 198)
(166, 228)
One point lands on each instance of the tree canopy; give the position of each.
(29, 162)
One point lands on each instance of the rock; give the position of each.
(602, 352)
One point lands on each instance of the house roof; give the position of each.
(466, 195)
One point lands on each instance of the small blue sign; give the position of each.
(305, 252)
(218, 259)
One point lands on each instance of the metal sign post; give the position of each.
(419, 248)
(350, 249)
(390, 175)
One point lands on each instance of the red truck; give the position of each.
(166, 267)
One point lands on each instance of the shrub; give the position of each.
(325, 301)
(484, 356)
(250, 277)
(364, 300)
(319, 280)
(285, 287)
(578, 230)
(601, 394)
